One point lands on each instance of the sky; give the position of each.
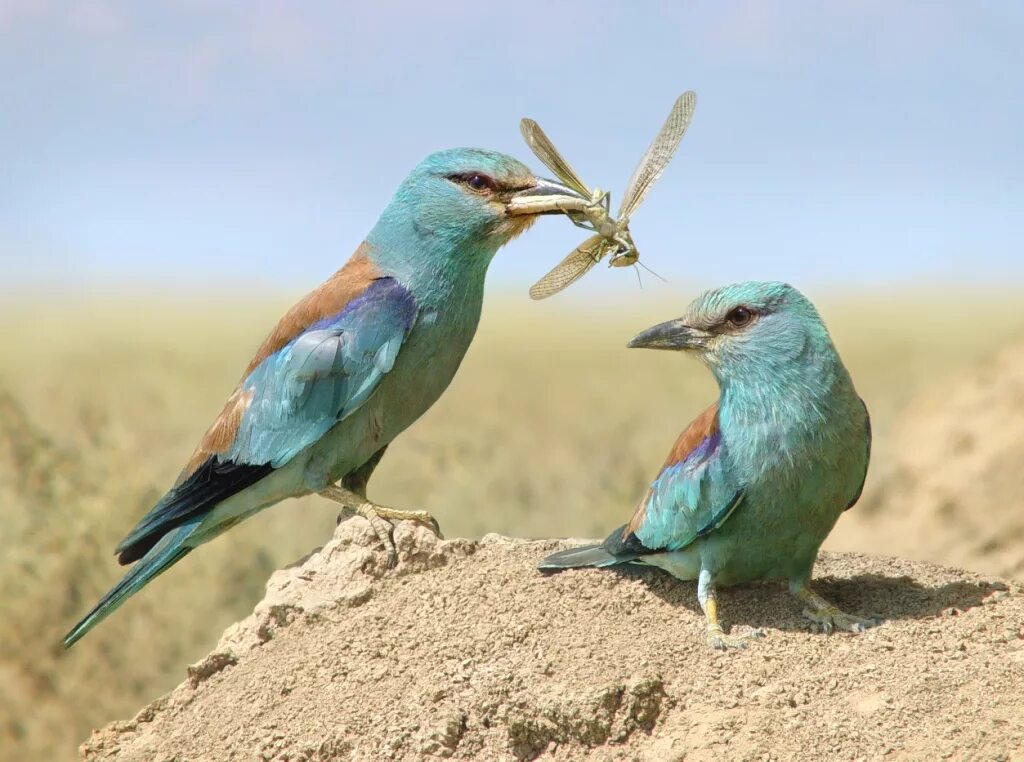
(202, 145)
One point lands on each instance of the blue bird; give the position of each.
(754, 485)
(348, 368)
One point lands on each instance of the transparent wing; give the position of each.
(545, 150)
(570, 269)
(659, 154)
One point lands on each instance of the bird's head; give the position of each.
(752, 329)
(456, 204)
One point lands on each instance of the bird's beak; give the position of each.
(546, 197)
(674, 334)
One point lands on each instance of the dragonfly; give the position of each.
(593, 210)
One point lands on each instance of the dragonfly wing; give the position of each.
(659, 154)
(545, 150)
(570, 269)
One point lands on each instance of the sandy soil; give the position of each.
(948, 480)
(466, 651)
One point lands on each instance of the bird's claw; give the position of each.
(381, 518)
(827, 616)
(719, 641)
(831, 620)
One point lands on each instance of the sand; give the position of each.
(465, 651)
(948, 481)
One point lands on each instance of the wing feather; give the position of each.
(692, 496)
(286, 403)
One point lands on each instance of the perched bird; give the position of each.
(349, 367)
(753, 486)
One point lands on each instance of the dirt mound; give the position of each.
(466, 651)
(64, 503)
(951, 470)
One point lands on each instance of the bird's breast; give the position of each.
(798, 479)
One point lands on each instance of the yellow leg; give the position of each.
(826, 615)
(716, 636)
(377, 515)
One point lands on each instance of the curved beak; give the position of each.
(673, 334)
(546, 197)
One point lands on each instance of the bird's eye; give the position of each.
(739, 316)
(480, 182)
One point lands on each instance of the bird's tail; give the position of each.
(168, 551)
(588, 555)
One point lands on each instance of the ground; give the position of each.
(466, 651)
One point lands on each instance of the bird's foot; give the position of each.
(831, 619)
(719, 641)
(379, 516)
(716, 637)
(828, 617)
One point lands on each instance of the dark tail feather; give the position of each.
(588, 555)
(212, 483)
(167, 552)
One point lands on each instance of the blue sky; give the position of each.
(210, 145)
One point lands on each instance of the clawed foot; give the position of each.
(379, 516)
(831, 619)
(718, 640)
(716, 637)
(828, 617)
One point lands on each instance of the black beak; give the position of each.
(546, 197)
(674, 334)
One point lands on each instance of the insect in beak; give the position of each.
(611, 234)
(545, 197)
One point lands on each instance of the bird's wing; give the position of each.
(692, 496)
(867, 458)
(322, 376)
(287, 402)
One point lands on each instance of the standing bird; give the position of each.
(347, 369)
(754, 485)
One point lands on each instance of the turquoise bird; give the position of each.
(754, 485)
(349, 367)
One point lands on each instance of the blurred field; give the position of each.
(551, 428)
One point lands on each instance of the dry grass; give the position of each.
(551, 428)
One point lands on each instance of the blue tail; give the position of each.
(588, 555)
(168, 551)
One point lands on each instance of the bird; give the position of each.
(752, 487)
(349, 367)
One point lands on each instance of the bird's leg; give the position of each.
(351, 493)
(356, 481)
(716, 637)
(826, 615)
(377, 515)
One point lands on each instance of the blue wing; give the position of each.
(322, 376)
(693, 495)
(290, 400)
